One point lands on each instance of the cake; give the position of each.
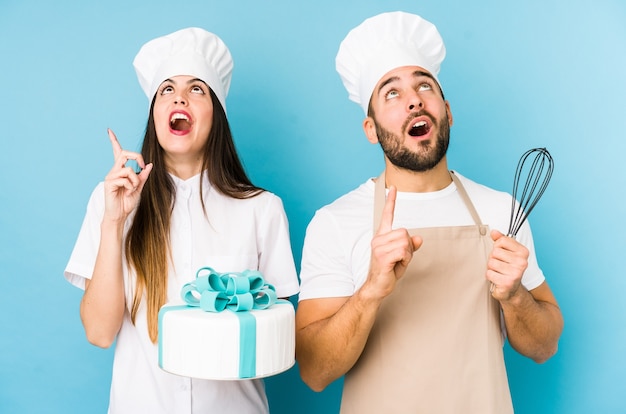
(227, 327)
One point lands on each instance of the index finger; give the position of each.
(386, 219)
(117, 148)
(121, 157)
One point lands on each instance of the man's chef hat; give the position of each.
(193, 52)
(383, 43)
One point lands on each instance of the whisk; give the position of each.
(538, 176)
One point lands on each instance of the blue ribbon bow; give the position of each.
(214, 292)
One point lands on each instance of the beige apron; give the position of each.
(436, 345)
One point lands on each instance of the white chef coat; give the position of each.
(233, 236)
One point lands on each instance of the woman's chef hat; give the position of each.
(192, 52)
(383, 43)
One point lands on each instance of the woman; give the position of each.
(145, 234)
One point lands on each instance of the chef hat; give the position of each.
(191, 51)
(383, 43)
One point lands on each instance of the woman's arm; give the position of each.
(102, 305)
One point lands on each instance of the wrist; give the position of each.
(113, 227)
(517, 299)
(369, 295)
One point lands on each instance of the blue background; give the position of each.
(517, 75)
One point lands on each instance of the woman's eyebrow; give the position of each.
(194, 80)
(190, 81)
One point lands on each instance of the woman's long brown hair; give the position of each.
(147, 244)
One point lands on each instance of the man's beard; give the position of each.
(426, 158)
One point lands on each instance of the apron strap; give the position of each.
(468, 203)
(379, 202)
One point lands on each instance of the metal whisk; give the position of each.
(538, 176)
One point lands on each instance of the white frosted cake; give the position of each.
(226, 344)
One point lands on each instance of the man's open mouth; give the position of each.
(419, 129)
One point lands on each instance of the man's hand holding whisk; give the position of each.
(509, 259)
(506, 265)
(532, 318)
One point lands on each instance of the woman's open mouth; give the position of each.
(180, 122)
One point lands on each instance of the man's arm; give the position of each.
(331, 332)
(330, 336)
(533, 319)
(533, 322)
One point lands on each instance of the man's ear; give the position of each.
(449, 111)
(369, 127)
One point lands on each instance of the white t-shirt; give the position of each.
(238, 235)
(337, 250)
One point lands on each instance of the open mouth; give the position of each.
(180, 122)
(419, 128)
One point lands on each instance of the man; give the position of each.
(412, 295)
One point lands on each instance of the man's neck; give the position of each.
(409, 181)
